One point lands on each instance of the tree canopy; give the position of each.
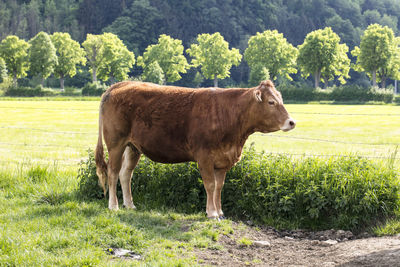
(378, 54)
(93, 45)
(116, 60)
(69, 54)
(168, 53)
(14, 52)
(272, 51)
(42, 56)
(214, 57)
(321, 55)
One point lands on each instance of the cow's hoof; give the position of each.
(129, 206)
(222, 217)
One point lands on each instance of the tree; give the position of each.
(14, 52)
(212, 53)
(92, 46)
(271, 50)
(378, 54)
(168, 53)
(69, 54)
(258, 73)
(3, 69)
(42, 56)
(321, 55)
(153, 73)
(116, 59)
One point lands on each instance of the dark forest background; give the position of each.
(139, 22)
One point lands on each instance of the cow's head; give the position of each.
(271, 115)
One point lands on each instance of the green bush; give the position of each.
(312, 193)
(345, 93)
(396, 99)
(29, 91)
(94, 89)
(71, 91)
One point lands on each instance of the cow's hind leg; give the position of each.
(219, 183)
(113, 168)
(130, 159)
(208, 176)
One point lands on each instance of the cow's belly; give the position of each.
(163, 150)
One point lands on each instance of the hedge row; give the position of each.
(346, 93)
(311, 193)
(290, 93)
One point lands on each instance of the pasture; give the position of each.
(42, 222)
(60, 132)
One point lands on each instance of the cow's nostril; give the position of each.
(291, 123)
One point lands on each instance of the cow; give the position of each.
(170, 124)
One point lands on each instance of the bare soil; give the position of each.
(302, 248)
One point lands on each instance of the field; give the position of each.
(60, 132)
(43, 223)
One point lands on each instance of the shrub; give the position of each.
(396, 99)
(94, 89)
(71, 91)
(29, 91)
(345, 93)
(312, 193)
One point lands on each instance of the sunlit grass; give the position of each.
(62, 131)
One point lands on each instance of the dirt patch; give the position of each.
(301, 248)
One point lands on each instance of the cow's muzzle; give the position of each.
(288, 125)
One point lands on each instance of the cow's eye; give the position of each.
(271, 102)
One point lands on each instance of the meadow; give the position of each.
(43, 222)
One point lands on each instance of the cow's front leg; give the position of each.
(219, 183)
(208, 176)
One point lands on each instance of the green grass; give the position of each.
(44, 222)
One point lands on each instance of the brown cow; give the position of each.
(172, 124)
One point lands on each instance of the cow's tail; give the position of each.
(101, 165)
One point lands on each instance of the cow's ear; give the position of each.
(257, 95)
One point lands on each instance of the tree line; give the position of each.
(139, 23)
(268, 54)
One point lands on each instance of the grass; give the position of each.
(44, 222)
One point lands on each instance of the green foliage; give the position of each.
(69, 53)
(116, 59)
(3, 69)
(168, 53)
(346, 93)
(258, 73)
(14, 52)
(313, 193)
(94, 89)
(153, 73)
(213, 55)
(42, 55)
(378, 54)
(28, 91)
(89, 187)
(272, 51)
(322, 56)
(92, 46)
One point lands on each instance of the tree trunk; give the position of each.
(15, 81)
(383, 82)
(317, 77)
(325, 83)
(42, 82)
(94, 75)
(374, 78)
(215, 80)
(112, 80)
(62, 83)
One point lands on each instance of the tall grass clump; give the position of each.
(312, 193)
